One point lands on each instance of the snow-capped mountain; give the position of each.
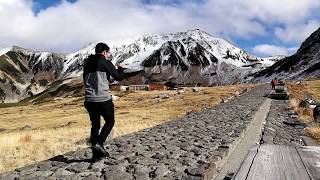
(270, 60)
(24, 72)
(305, 63)
(186, 57)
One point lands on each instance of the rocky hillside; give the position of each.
(24, 72)
(303, 64)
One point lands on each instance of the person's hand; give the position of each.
(120, 67)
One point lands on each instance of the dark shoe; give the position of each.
(96, 155)
(101, 149)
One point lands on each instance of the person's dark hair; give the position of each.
(100, 47)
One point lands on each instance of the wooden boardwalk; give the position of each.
(278, 162)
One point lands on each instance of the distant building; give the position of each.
(157, 86)
(143, 87)
(138, 87)
(124, 88)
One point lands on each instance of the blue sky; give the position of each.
(39, 5)
(262, 28)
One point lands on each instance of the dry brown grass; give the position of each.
(20, 148)
(58, 125)
(25, 138)
(314, 133)
(299, 92)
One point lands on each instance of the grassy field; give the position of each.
(306, 89)
(37, 132)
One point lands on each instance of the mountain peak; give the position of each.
(198, 31)
(15, 48)
(18, 48)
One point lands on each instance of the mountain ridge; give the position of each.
(134, 51)
(303, 64)
(189, 57)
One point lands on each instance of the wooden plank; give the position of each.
(246, 164)
(263, 162)
(310, 156)
(293, 166)
(274, 162)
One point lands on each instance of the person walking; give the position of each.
(274, 83)
(97, 71)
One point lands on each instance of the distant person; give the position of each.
(274, 83)
(98, 101)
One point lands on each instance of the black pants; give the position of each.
(97, 109)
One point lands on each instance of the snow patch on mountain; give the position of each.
(4, 50)
(269, 61)
(26, 72)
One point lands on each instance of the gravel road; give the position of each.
(280, 126)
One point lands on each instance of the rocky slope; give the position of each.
(24, 72)
(303, 64)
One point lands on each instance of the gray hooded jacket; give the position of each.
(96, 76)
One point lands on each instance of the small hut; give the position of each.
(124, 88)
(157, 86)
(138, 88)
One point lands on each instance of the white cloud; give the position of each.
(281, 11)
(297, 32)
(273, 50)
(68, 27)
